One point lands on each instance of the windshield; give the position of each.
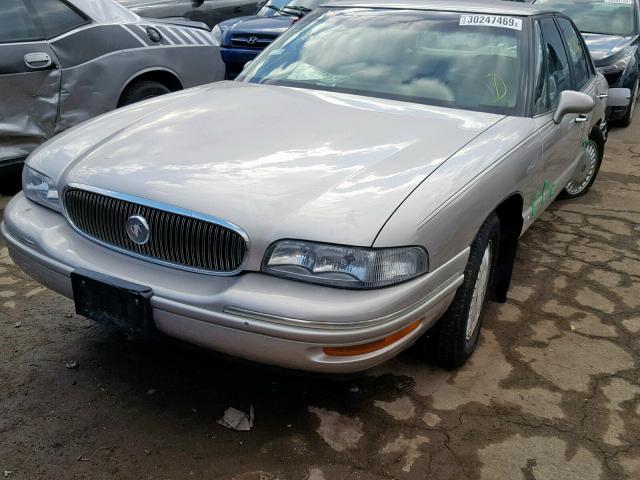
(607, 17)
(296, 8)
(448, 59)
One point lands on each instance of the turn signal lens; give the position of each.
(363, 348)
(40, 188)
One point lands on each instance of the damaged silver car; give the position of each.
(65, 61)
(397, 152)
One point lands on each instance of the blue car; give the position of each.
(243, 38)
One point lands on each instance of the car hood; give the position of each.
(278, 162)
(275, 25)
(141, 3)
(605, 49)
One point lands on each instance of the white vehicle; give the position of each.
(347, 201)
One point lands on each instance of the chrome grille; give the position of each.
(176, 239)
(245, 40)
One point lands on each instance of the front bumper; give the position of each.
(251, 316)
(238, 55)
(235, 59)
(615, 113)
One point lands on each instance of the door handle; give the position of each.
(602, 96)
(581, 118)
(38, 60)
(238, 10)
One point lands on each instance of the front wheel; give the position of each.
(454, 338)
(588, 167)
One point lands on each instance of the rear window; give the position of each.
(57, 17)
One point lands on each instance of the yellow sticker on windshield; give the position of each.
(492, 21)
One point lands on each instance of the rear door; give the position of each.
(582, 69)
(561, 142)
(29, 82)
(584, 80)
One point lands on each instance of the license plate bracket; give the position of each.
(113, 302)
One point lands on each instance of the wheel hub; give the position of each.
(586, 169)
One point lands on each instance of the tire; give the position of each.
(589, 165)
(452, 340)
(142, 90)
(628, 115)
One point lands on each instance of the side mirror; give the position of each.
(618, 97)
(573, 102)
(246, 65)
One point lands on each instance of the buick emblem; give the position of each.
(252, 40)
(138, 229)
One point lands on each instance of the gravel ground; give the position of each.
(552, 393)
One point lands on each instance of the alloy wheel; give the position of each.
(585, 170)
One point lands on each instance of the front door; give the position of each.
(29, 83)
(561, 143)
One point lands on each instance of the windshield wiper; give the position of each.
(298, 8)
(279, 10)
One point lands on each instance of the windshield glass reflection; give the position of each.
(436, 58)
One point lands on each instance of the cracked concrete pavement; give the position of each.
(552, 393)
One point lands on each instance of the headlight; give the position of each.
(347, 267)
(217, 35)
(40, 188)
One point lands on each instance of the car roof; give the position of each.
(480, 6)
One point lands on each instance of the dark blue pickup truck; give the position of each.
(243, 38)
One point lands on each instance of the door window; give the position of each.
(557, 63)
(16, 25)
(576, 53)
(57, 17)
(541, 102)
